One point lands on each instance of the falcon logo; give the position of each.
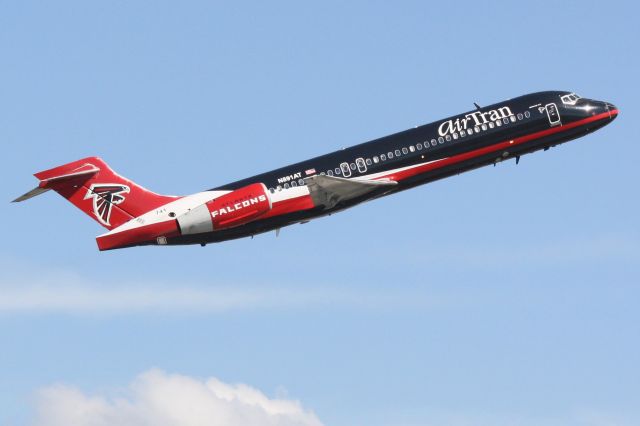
(105, 196)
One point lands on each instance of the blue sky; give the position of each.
(503, 296)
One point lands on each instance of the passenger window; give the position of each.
(383, 157)
(520, 116)
(353, 166)
(491, 125)
(512, 118)
(346, 172)
(294, 184)
(286, 186)
(330, 172)
(463, 133)
(419, 146)
(498, 123)
(476, 129)
(337, 170)
(390, 155)
(455, 135)
(484, 126)
(376, 159)
(527, 114)
(448, 138)
(271, 190)
(301, 182)
(412, 148)
(470, 131)
(405, 151)
(505, 120)
(361, 165)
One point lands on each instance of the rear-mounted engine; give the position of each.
(228, 211)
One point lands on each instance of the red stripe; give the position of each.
(398, 176)
(138, 235)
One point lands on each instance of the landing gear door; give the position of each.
(553, 115)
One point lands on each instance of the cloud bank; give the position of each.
(89, 298)
(156, 398)
(29, 290)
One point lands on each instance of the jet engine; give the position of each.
(227, 211)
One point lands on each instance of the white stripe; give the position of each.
(289, 193)
(161, 214)
(182, 205)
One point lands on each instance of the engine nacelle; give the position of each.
(227, 211)
(240, 206)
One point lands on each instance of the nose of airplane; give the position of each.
(611, 109)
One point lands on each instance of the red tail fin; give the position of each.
(94, 188)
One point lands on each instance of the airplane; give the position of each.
(135, 216)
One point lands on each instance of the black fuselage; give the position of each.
(433, 151)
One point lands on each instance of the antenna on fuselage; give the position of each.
(477, 106)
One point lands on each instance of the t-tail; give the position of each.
(93, 187)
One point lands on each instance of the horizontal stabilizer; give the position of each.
(330, 190)
(54, 177)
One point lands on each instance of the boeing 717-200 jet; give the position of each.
(323, 185)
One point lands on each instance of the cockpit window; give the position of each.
(569, 99)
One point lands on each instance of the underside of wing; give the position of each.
(330, 190)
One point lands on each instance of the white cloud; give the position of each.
(25, 289)
(86, 297)
(156, 398)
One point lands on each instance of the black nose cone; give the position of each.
(612, 109)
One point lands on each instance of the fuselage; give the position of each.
(426, 153)
(479, 137)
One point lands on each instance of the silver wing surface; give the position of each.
(330, 190)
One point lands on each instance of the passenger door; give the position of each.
(553, 114)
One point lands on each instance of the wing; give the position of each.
(330, 190)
